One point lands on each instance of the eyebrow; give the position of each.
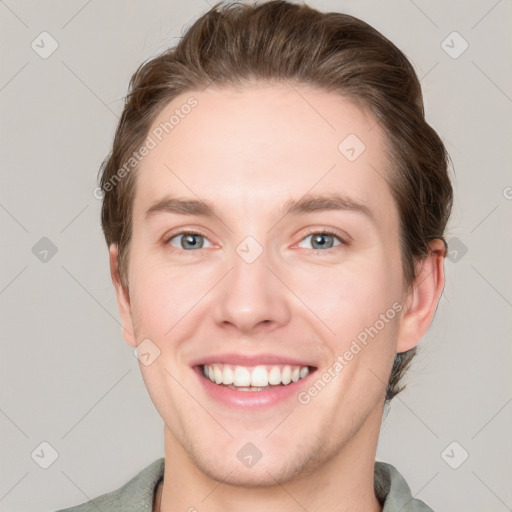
(308, 203)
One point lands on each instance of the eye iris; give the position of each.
(321, 237)
(188, 239)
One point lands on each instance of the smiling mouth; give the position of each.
(256, 378)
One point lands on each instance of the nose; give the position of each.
(252, 297)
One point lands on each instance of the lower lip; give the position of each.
(250, 399)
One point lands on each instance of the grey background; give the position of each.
(67, 376)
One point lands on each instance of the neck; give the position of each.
(342, 483)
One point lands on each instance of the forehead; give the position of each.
(251, 149)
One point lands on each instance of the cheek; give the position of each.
(361, 305)
(163, 297)
(152, 300)
(357, 293)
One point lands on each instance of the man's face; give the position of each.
(253, 286)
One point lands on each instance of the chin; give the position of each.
(274, 467)
(262, 475)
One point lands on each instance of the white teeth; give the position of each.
(303, 372)
(217, 373)
(242, 377)
(286, 377)
(228, 376)
(259, 378)
(274, 376)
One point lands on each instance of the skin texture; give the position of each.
(248, 151)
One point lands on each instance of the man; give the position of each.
(274, 208)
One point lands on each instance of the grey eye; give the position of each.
(189, 241)
(323, 240)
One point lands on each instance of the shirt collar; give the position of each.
(391, 489)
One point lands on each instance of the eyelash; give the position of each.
(328, 233)
(312, 232)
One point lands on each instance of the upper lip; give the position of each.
(249, 360)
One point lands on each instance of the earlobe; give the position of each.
(423, 298)
(123, 298)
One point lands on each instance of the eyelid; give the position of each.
(170, 235)
(329, 232)
(343, 239)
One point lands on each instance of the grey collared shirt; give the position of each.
(137, 495)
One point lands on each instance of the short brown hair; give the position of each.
(279, 41)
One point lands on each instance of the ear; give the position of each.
(422, 298)
(123, 297)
